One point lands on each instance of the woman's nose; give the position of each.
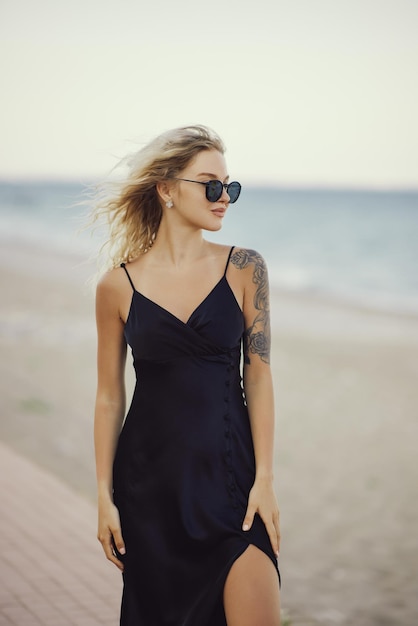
(224, 197)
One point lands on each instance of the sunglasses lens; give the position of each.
(213, 190)
(233, 190)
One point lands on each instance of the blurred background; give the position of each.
(316, 102)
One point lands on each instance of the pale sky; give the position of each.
(303, 92)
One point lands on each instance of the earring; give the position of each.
(169, 204)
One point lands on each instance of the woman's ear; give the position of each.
(164, 192)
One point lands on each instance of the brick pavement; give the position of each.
(52, 569)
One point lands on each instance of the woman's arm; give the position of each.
(109, 410)
(258, 388)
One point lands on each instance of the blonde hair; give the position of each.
(131, 208)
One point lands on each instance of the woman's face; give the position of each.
(190, 203)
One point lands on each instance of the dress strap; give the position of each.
(228, 259)
(129, 278)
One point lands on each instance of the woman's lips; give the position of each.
(219, 212)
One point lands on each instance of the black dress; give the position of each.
(184, 463)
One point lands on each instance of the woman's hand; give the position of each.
(262, 500)
(109, 531)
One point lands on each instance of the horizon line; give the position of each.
(280, 185)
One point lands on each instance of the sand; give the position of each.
(346, 462)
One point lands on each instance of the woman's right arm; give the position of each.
(109, 411)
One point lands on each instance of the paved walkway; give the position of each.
(52, 569)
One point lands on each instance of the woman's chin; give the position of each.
(213, 227)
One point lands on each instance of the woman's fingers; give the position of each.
(263, 501)
(249, 517)
(272, 533)
(271, 522)
(109, 533)
(118, 540)
(107, 545)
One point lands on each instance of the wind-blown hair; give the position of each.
(131, 208)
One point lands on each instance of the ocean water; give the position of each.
(358, 246)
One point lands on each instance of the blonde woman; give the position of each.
(187, 509)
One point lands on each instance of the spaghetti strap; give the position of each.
(228, 259)
(129, 278)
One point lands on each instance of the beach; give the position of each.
(346, 402)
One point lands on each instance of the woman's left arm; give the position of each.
(258, 387)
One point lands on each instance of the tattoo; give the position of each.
(257, 335)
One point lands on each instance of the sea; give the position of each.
(357, 246)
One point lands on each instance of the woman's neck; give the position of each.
(178, 246)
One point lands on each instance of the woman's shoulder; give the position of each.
(247, 259)
(112, 280)
(243, 257)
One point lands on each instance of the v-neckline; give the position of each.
(195, 310)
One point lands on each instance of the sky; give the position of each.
(303, 92)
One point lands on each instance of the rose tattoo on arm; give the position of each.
(257, 336)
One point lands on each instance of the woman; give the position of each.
(187, 509)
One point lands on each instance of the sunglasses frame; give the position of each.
(225, 186)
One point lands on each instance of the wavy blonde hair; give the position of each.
(131, 208)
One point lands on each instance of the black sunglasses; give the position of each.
(214, 189)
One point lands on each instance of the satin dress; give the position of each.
(184, 463)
